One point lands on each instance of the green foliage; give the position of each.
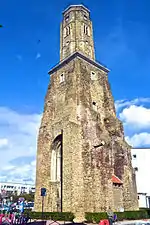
(95, 217)
(60, 216)
(26, 211)
(127, 215)
(133, 215)
(146, 209)
(27, 197)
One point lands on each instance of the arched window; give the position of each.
(56, 159)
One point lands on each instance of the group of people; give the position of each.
(11, 218)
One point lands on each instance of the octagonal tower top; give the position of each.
(76, 34)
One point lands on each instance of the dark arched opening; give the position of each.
(57, 168)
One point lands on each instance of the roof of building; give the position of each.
(15, 183)
(79, 55)
(148, 148)
(116, 180)
(141, 193)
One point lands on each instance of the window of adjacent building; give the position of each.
(136, 169)
(62, 77)
(93, 75)
(67, 31)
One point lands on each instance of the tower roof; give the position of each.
(76, 7)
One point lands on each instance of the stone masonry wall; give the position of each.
(118, 197)
(93, 143)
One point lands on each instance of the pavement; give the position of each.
(125, 222)
(133, 222)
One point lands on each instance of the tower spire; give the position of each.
(76, 33)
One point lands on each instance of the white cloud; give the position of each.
(141, 139)
(18, 140)
(136, 116)
(3, 142)
(136, 120)
(125, 103)
(27, 172)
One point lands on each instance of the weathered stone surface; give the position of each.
(81, 111)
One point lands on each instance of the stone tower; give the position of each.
(82, 159)
(76, 33)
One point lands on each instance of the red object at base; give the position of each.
(104, 222)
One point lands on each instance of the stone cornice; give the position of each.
(75, 6)
(78, 55)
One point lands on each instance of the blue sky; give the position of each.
(121, 35)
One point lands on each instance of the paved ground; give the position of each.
(125, 222)
(134, 222)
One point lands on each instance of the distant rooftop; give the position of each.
(20, 183)
(76, 6)
(116, 180)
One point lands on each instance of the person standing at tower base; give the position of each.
(110, 215)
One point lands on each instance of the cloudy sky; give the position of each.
(29, 47)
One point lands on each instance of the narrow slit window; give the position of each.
(85, 17)
(67, 18)
(93, 75)
(62, 78)
(94, 105)
(86, 30)
(67, 31)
